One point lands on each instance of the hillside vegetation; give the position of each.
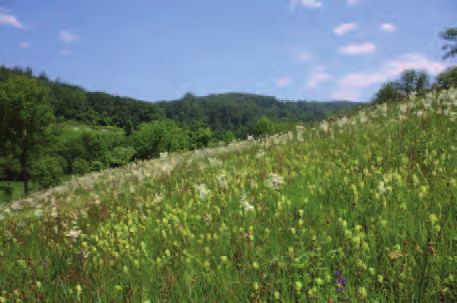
(91, 131)
(360, 208)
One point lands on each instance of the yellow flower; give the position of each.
(276, 295)
(78, 288)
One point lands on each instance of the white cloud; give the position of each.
(352, 2)
(344, 28)
(317, 78)
(308, 3)
(283, 81)
(24, 44)
(392, 71)
(67, 37)
(11, 20)
(305, 57)
(348, 85)
(321, 68)
(357, 49)
(65, 52)
(388, 27)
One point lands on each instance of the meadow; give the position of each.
(354, 209)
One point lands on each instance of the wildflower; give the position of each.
(276, 294)
(256, 286)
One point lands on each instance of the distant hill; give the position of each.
(237, 112)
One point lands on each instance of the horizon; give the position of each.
(315, 51)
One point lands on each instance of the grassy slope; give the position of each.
(370, 198)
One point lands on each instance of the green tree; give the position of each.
(156, 137)
(80, 166)
(388, 93)
(413, 81)
(120, 155)
(228, 137)
(451, 35)
(47, 170)
(25, 117)
(96, 148)
(263, 127)
(447, 79)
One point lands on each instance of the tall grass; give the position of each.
(360, 209)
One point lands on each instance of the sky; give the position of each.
(155, 50)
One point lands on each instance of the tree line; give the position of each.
(38, 117)
(418, 81)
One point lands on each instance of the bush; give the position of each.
(80, 166)
(120, 156)
(97, 166)
(228, 137)
(47, 171)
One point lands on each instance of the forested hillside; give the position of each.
(91, 131)
(236, 112)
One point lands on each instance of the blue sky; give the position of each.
(292, 49)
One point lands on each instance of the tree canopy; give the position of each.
(26, 116)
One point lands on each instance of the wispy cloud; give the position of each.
(357, 49)
(348, 85)
(318, 78)
(307, 3)
(392, 70)
(10, 20)
(320, 68)
(283, 81)
(4, 8)
(65, 52)
(304, 57)
(344, 28)
(388, 27)
(67, 37)
(24, 44)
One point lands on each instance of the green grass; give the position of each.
(368, 200)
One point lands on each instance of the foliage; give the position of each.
(264, 127)
(25, 118)
(409, 81)
(388, 93)
(362, 208)
(121, 155)
(156, 137)
(97, 165)
(228, 137)
(413, 81)
(80, 166)
(451, 35)
(47, 171)
(448, 78)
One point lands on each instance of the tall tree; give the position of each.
(25, 119)
(387, 94)
(448, 78)
(451, 35)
